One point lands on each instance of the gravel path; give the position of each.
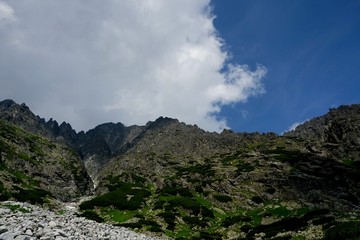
(23, 221)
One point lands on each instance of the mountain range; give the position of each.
(177, 180)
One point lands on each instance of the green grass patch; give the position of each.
(118, 215)
(16, 208)
(279, 212)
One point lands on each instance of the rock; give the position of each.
(52, 224)
(21, 226)
(22, 237)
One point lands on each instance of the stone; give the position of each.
(21, 226)
(52, 224)
(22, 237)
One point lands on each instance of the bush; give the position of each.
(271, 190)
(324, 220)
(199, 189)
(286, 224)
(315, 213)
(173, 191)
(169, 218)
(32, 196)
(244, 167)
(257, 199)
(187, 203)
(229, 221)
(210, 236)
(345, 230)
(223, 198)
(204, 170)
(118, 199)
(206, 212)
(92, 216)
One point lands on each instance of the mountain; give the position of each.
(178, 180)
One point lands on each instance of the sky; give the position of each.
(245, 65)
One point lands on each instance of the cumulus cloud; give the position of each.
(87, 62)
(6, 13)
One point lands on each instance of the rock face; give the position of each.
(336, 134)
(33, 163)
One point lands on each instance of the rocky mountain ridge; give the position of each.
(181, 181)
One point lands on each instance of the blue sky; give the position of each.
(255, 65)
(311, 49)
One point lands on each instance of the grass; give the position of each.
(16, 208)
(279, 212)
(118, 215)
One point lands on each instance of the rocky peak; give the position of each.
(22, 116)
(161, 122)
(336, 133)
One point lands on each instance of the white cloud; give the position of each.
(117, 60)
(6, 13)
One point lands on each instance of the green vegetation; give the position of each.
(91, 215)
(34, 196)
(16, 207)
(344, 230)
(290, 156)
(202, 169)
(4, 195)
(131, 199)
(223, 198)
(118, 215)
(244, 167)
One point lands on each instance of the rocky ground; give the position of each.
(23, 221)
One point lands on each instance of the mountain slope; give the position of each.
(178, 180)
(32, 162)
(336, 134)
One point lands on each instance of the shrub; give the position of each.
(204, 170)
(315, 213)
(271, 190)
(169, 218)
(324, 220)
(229, 221)
(286, 224)
(210, 236)
(32, 196)
(187, 203)
(223, 198)
(257, 199)
(345, 230)
(206, 212)
(199, 189)
(118, 199)
(173, 191)
(92, 216)
(244, 167)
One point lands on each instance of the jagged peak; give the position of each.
(7, 103)
(161, 122)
